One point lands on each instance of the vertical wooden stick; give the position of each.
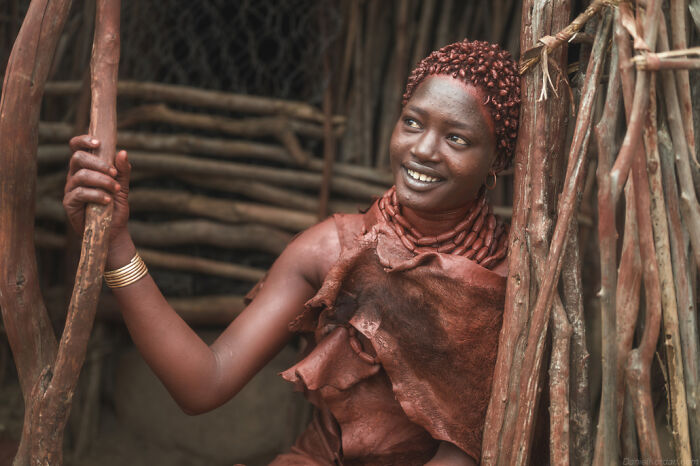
(580, 410)
(55, 403)
(686, 307)
(629, 282)
(639, 362)
(542, 127)
(606, 438)
(679, 32)
(672, 343)
(677, 359)
(528, 389)
(328, 137)
(559, 370)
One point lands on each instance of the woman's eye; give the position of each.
(458, 140)
(411, 123)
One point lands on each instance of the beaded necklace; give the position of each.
(479, 237)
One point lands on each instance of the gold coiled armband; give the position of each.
(128, 274)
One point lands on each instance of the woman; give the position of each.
(402, 304)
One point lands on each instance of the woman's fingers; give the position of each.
(83, 142)
(92, 179)
(81, 159)
(121, 161)
(78, 197)
(74, 204)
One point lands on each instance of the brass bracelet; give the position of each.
(128, 274)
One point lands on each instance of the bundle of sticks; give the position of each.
(642, 122)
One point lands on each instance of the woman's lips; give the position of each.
(419, 180)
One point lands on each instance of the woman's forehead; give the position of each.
(453, 97)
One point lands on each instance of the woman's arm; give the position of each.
(198, 376)
(201, 377)
(450, 455)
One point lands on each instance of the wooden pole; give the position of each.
(25, 319)
(542, 127)
(606, 439)
(55, 406)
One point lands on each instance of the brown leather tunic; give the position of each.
(420, 367)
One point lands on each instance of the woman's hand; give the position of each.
(91, 179)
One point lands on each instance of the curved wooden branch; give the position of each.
(25, 318)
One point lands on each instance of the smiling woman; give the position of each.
(401, 306)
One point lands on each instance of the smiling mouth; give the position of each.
(422, 176)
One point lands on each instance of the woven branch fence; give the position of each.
(248, 121)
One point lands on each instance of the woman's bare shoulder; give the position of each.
(317, 249)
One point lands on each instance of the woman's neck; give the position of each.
(435, 223)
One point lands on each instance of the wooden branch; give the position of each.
(568, 204)
(54, 409)
(673, 59)
(652, 62)
(239, 103)
(639, 106)
(26, 322)
(580, 409)
(208, 310)
(24, 315)
(166, 260)
(532, 55)
(420, 48)
(637, 372)
(630, 272)
(180, 143)
(175, 164)
(185, 143)
(542, 131)
(164, 200)
(690, 208)
(628, 434)
(164, 234)
(627, 297)
(250, 127)
(684, 294)
(265, 192)
(672, 341)
(606, 438)
(277, 127)
(678, 12)
(559, 370)
(329, 143)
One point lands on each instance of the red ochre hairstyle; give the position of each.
(491, 70)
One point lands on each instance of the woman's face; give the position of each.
(443, 146)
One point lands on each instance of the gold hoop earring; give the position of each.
(495, 180)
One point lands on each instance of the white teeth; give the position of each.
(421, 176)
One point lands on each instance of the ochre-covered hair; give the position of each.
(491, 70)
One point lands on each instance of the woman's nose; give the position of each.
(426, 147)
